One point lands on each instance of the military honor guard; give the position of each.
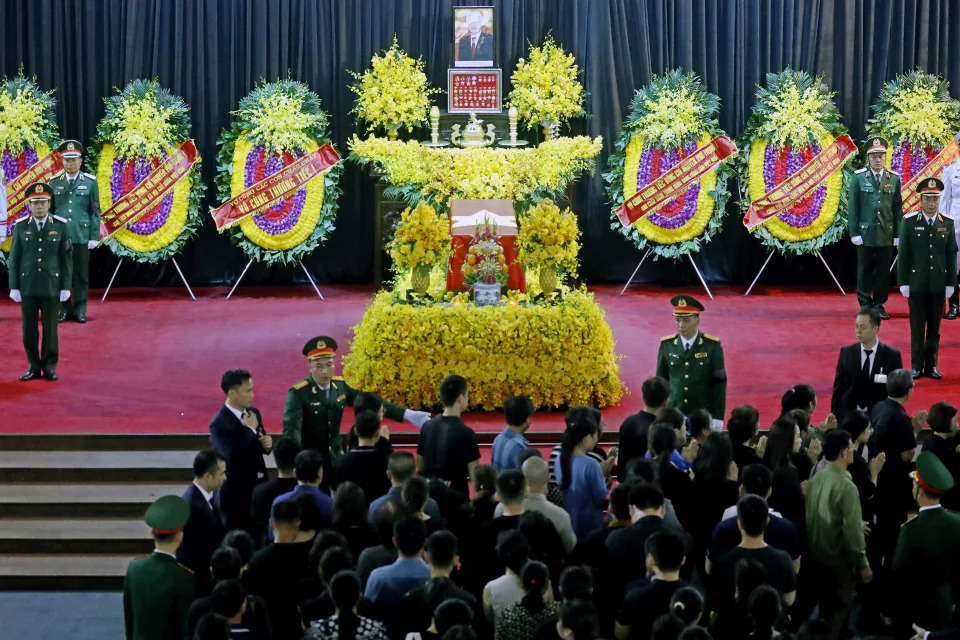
(77, 198)
(927, 269)
(314, 406)
(950, 207)
(875, 209)
(40, 267)
(692, 362)
(158, 590)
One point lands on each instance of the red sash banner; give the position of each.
(798, 186)
(933, 169)
(276, 187)
(149, 191)
(42, 171)
(675, 181)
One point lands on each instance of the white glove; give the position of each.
(717, 424)
(15, 295)
(64, 294)
(92, 244)
(857, 240)
(905, 290)
(416, 418)
(896, 242)
(948, 292)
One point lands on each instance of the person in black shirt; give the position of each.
(370, 401)
(664, 552)
(445, 442)
(350, 518)
(943, 444)
(635, 429)
(226, 564)
(285, 450)
(786, 495)
(365, 465)
(420, 603)
(864, 473)
(575, 584)
(415, 494)
(742, 427)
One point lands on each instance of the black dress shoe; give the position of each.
(29, 375)
(914, 373)
(62, 317)
(934, 373)
(81, 318)
(884, 315)
(952, 313)
(51, 375)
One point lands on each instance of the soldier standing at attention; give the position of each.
(41, 259)
(875, 210)
(927, 271)
(158, 590)
(314, 406)
(950, 207)
(77, 198)
(693, 363)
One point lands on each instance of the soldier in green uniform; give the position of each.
(41, 259)
(925, 269)
(158, 590)
(875, 209)
(926, 563)
(314, 406)
(693, 363)
(77, 198)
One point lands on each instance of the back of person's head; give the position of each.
(764, 606)
(233, 378)
(855, 423)
(699, 422)
(620, 502)
(801, 418)
(401, 465)
(451, 389)
(326, 539)
(460, 632)
(575, 584)
(242, 542)
(756, 479)
(311, 518)
(308, 464)
(517, 410)
(801, 396)
(442, 549)
(511, 487)
(225, 564)
(534, 525)
(285, 450)
(513, 550)
(580, 413)
(536, 472)
(752, 514)
(743, 424)
(940, 417)
(667, 550)
(207, 461)
(414, 494)
(349, 505)
(835, 442)
(333, 561)
(655, 392)
(450, 613)
(409, 534)
(286, 513)
(899, 383)
(640, 470)
(673, 417)
(367, 401)
(687, 603)
(663, 439)
(535, 577)
(383, 521)
(525, 454)
(814, 629)
(780, 441)
(695, 633)
(646, 496)
(344, 589)
(366, 424)
(212, 626)
(748, 574)
(484, 479)
(579, 617)
(228, 598)
(713, 460)
(666, 627)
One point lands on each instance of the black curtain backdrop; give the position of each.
(212, 52)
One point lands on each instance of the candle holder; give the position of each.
(513, 142)
(435, 140)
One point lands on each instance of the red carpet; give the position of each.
(149, 361)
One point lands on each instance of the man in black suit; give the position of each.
(205, 528)
(862, 368)
(285, 451)
(237, 433)
(477, 44)
(635, 429)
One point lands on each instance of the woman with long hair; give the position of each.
(581, 478)
(783, 441)
(415, 494)
(350, 517)
(687, 603)
(942, 419)
(676, 483)
(519, 621)
(714, 489)
(801, 396)
(346, 624)
(765, 607)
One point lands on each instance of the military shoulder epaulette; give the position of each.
(669, 337)
(893, 172)
(709, 337)
(22, 218)
(863, 170)
(59, 174)
(300, 385)
(90, 175)
(63, 220)
(340, 378)
(910, 215)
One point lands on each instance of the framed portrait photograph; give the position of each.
(473, 36)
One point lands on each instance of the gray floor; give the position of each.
(67, 614)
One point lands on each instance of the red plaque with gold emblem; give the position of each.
(473, 91)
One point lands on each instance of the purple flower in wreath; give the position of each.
(293, 205)
(669, 160)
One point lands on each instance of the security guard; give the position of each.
(950, 207)
(875, 209)
(41, 261)
(314, 406)
(77, 198)
(158, 590)
(926, 270)
(693, 363)
(927, 558)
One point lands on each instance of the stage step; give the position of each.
(91, 572)
(82, 500)
(74, 536)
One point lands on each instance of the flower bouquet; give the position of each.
(421, 241)
(485, 269)
(548, 241)
(275, 125)
(669, 119)
(546, 88)
(793, 120)
(143, 125)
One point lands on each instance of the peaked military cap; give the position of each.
(39, 191)
(70, 149)
(684, 305)
(877, 145)
(930, 187)
(931, 474)
(320, 347)
(167, 515)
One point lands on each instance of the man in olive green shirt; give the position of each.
(835, 532)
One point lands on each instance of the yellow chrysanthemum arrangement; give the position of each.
(394, 92)
(549, 238)
(916, 108)
(27, 116)
(422, 238)
(546, 86)
(142, 125)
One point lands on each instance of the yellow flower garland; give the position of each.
(778, 228)
(309, 214)
(162, 237)
(705, 202)
(559, 354)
